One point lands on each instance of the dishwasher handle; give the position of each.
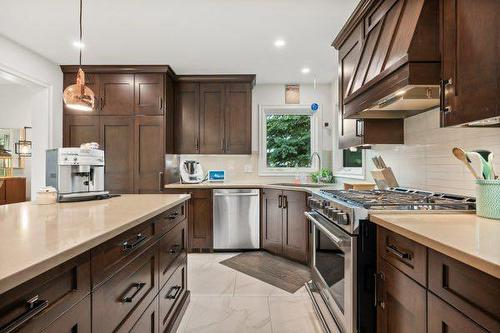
(236, 194)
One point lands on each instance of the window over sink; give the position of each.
(288, 137)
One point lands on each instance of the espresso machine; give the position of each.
(77, 174)
(191, 172)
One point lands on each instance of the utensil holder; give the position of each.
(488, 198)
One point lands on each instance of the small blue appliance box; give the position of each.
(216, 175)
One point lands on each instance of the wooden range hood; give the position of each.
(389, 59)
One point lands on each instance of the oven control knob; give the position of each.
(332, 212)
(343, 218)
(326, 203)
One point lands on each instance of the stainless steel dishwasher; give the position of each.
(236, 219)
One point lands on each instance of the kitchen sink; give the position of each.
(301, 185)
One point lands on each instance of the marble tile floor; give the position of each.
(224, 300)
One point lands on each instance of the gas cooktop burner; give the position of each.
(402, 199)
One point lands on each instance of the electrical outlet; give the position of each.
(248, 168)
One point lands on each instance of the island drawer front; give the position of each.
(149, 321)
(111, 256)
(76, 320)
(167, 220)
(37, 303)
(443, 318)
(127, 294)
(406, 255)
(171, 294)
(172, 245)
(474, 293)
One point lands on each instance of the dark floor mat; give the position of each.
(279, 272)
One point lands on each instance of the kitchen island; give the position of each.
(127, 251)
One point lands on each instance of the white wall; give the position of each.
(272, 94)
(47, 113)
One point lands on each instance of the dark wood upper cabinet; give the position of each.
(92, 81)
(80, 129)
(116, 94)
(470, 50)
(117, 137)
(149, 154)
(187, 120)
(213, 114)
(284, 228)
(150, 94)
(212, 105)
(238, 138)
(379, 55)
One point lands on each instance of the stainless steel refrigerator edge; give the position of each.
(236, 218)
(172, 169)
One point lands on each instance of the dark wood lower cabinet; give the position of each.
(76, 320)
(444, 318)
(145, 291)
(284, 227)
(449, 296)
(401, 302)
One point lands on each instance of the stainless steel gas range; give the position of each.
(343, 245)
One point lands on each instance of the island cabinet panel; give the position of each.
(149, 94)
(172, 249)
(474, 293)
(117, 136)
(171, 295)
(169, 219)
(76, 320)
(127, 294)
(112, 255)
(36, 304)
(80, 129)
(402, 302)
(285, 230)
(116, 96)
(149, 321)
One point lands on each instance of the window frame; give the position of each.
(265, 110)
(354, 173)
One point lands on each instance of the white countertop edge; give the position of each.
(24, 275)
(477, 262)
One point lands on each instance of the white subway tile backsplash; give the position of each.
(425, 160)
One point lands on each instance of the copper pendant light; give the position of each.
(78, 96)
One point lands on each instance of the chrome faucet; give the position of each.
(319, 159)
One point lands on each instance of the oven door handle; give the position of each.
(341, 243)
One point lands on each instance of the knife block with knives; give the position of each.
(383, 176)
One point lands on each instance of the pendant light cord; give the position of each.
(81, 33)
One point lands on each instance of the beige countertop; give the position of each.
(276, 184)
(35, 238)
(468, 238)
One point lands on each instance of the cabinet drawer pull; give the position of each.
(401, 255)
(175, 290)
(33, 307)
(280, 201)
(173, 249)
(172, 216)
(140, 238)
(138, 287)
(443, 84)
(160, 103)
(378, 276)
(285, 202)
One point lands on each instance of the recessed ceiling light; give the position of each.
(78, 44)
(279, 43)
(305, 70)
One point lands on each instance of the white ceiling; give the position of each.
(193, 36)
